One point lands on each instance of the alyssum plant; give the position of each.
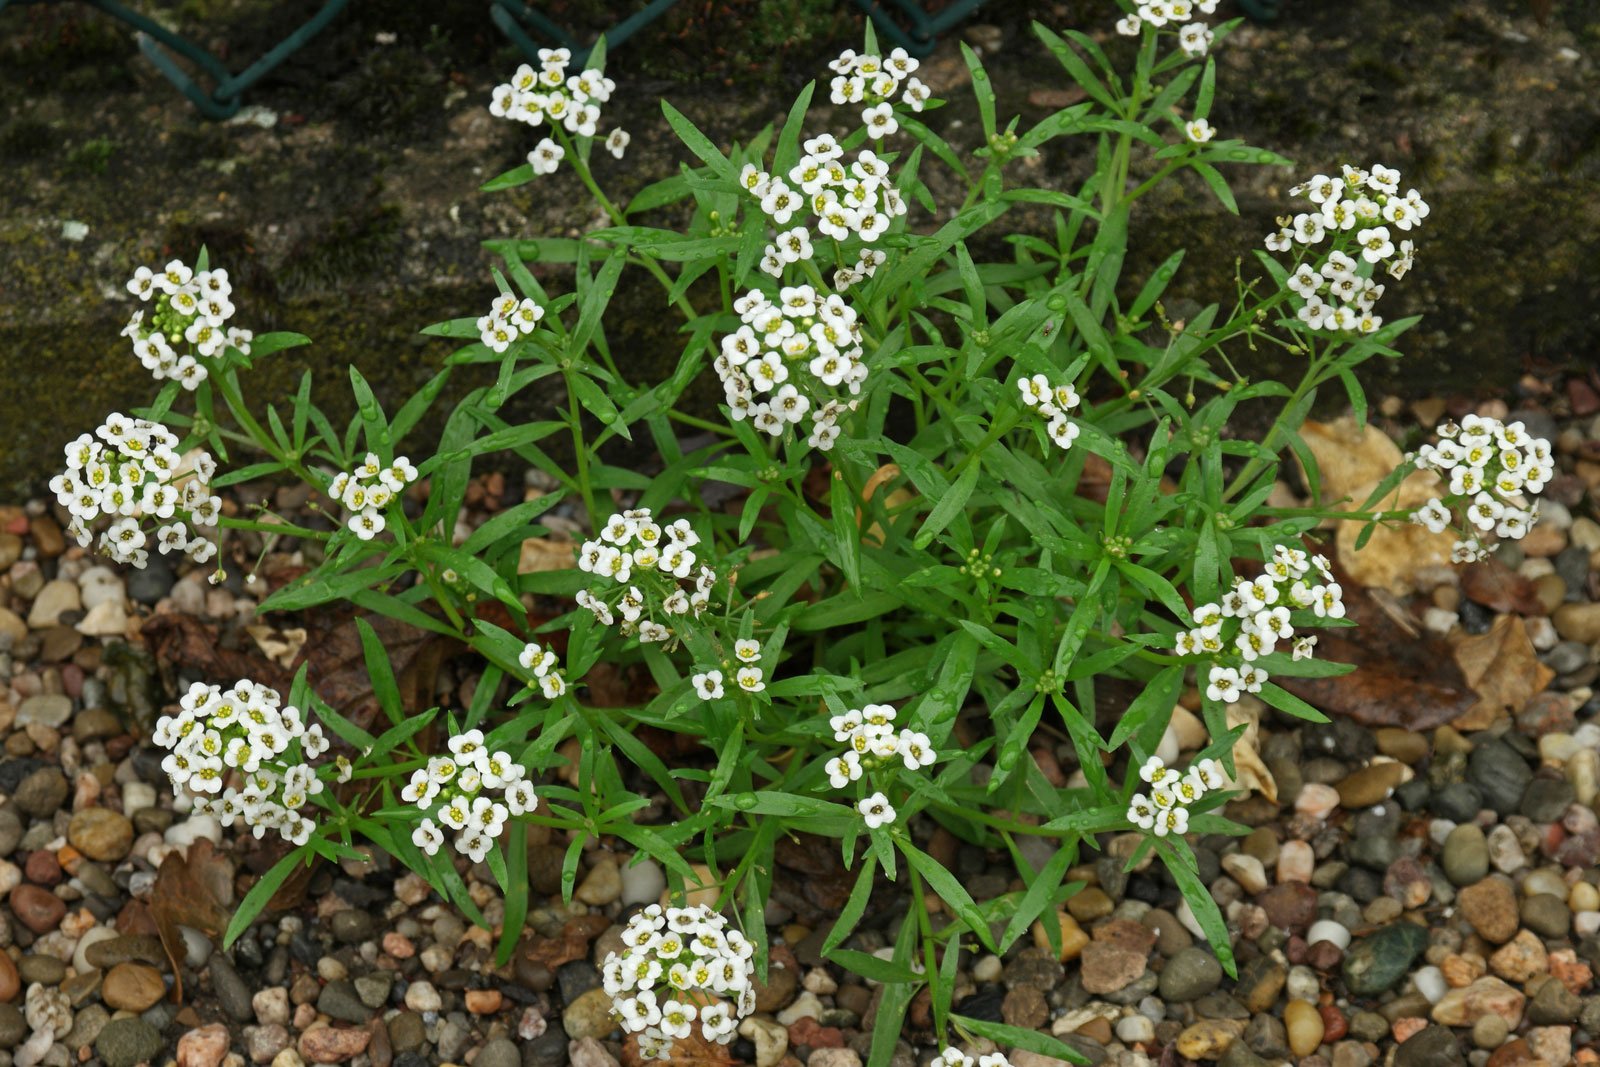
(968, 497)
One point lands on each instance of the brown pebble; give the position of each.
(10, 981)
(132, 987)
(38, 909)
(483, 1001)
(1490, 907)
(42, 868)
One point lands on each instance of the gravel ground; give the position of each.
(1415, 898)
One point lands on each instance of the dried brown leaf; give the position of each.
(1351, 463)
(1494, 585)
(572, 944)
(692, 1051)
(280, 646)
(1505, 670)
(184, 895)
(546, 554)
(1401, 678)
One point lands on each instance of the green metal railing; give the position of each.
(913, 29)
(223, 99)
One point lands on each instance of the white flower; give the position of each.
(880, 121)
(546, 156)
(427, 837)
(617, 142)
(750, 679)
(1223, 685)
(1199, 131)
(708, 686)
(875, 811)
(844, 769)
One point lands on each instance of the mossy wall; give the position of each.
(350, 211)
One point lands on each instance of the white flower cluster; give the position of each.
(1493, 467)
(131, 474)
(246, 729)
(1193, 37)
(549, 94)
(954, 1057)
(542, 663)
(875, 81)
(747, 676)
(1362, 213)
(189, 307)
(680, 966)
(370, 488)
(508, 319)
(1255, 615)
(788, 352)
(1052, 402)
(459, 789)
(871, 741)
(847, 200)
(654, 569)
(1165, 809)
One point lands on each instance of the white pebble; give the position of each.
(192, 829)
(422, 997)
(1439, 621)
(1542, 632)
(1187, 918)
(1303, 983)
(138, 796)
(1558, 747)
(1505, 851)
(1135, 1029)
(80, 959)
(1439, 829)
(1430, 982)
(642, 882)
(1328, 930)
(1586, 923)
(1247, 871)
(1316, 800)
(805, 1006)
(987, 969)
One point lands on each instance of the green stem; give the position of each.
(580, 451)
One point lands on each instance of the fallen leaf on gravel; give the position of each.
(545, 554)
(1402, 678)
(1505, 670)
(336, 668)
(1494, 585)
(692, 1051)
(1252, 775)
(1351, 463)
(184, 896)
(280, 646)
(1348, 458)
(573, 944)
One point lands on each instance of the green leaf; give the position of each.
(1041, 892)
(950, 890)
(269, 343)
(1181, 863)
(949, 505)
(1017, 1037)
(380, 672)
(787, 152)
(981, 89)
(509, 180)
(261, 893)
(1158, 697)
(1217, 183)
(1287, 702)
(847, 534)
(699, 143)
(854, 907)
